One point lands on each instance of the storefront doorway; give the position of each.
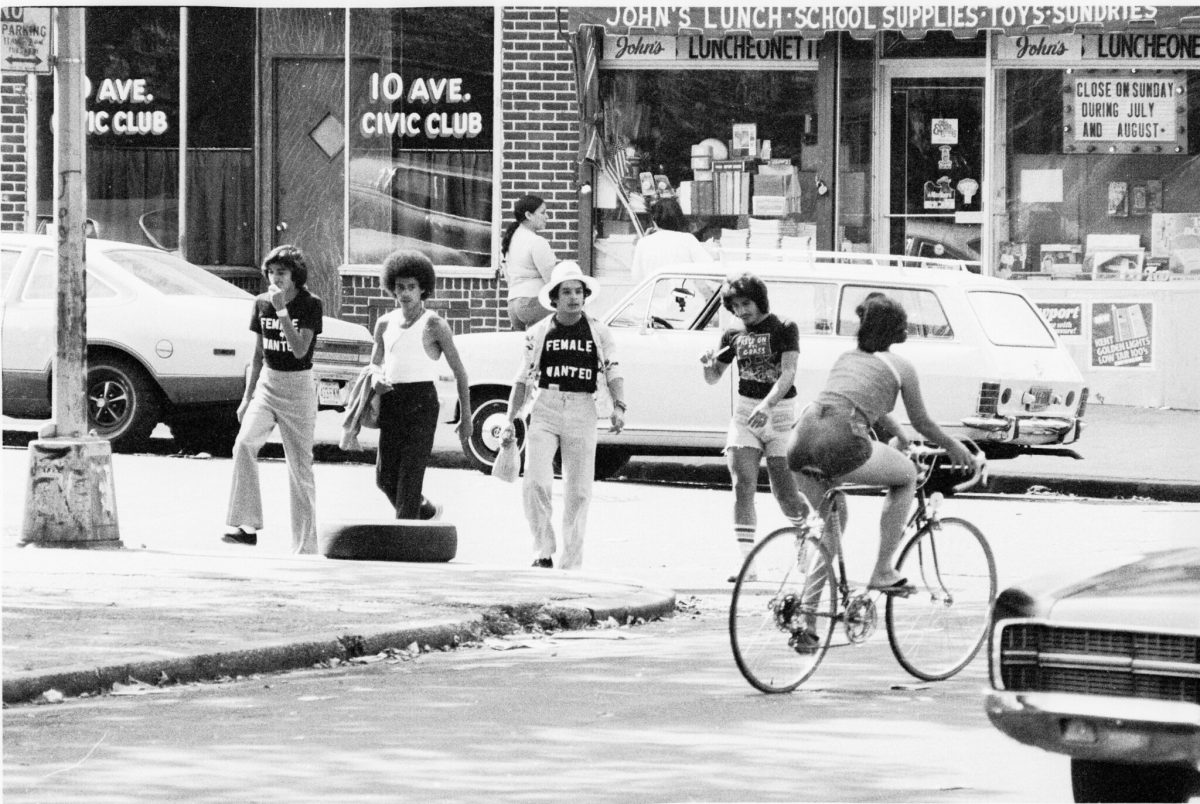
(931, 159)
(308, 173)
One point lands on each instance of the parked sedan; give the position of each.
(990, 367)
(1106, 669)
(167, 342)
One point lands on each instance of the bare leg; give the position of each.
(743, 473)
(888, 467)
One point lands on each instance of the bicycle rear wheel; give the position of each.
(937, 630)
(783, 610)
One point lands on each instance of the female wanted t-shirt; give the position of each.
(306, 312)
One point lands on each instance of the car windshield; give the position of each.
(1010, 320)
(175, 277)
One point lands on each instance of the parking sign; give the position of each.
(25, 37)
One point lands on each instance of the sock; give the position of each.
(745, 538)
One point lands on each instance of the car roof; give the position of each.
(26, 239)
(886, 270)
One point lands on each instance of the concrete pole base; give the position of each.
(70, 500)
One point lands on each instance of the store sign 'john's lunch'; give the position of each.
(1149, 49)
(626, 48)
(1125, 111)
(961, 18)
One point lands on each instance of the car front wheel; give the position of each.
(122, 402)
(1092, 780)
(489, 412)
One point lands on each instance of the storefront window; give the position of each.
(857, 87)
(421, 134)
(132, 120)
(220, 137)
(729, 145)
(1103, 179)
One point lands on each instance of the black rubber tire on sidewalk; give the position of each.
(389, 540)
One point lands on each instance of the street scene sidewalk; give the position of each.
(176, 604)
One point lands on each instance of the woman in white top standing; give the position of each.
(408, 343)
(668, 243)
(528, 261)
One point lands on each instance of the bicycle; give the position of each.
(790, 595)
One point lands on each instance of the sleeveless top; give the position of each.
(404, 358)
(868, 382)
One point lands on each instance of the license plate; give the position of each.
(1041, 397)
(329, 393)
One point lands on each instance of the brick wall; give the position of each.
(14, 176)
(541, 128)
(467, 304)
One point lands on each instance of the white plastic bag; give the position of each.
(508, 461)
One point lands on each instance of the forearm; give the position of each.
(516, 400)
(616, 389)
(780, 389)
(297, 340)
(252, 377)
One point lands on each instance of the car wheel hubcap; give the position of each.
(110, 403)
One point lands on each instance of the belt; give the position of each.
(556, 387)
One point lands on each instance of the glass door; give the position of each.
(931, 159)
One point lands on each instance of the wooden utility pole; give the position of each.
(70, 500)
(70, 360)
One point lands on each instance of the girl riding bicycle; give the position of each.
(832, 443)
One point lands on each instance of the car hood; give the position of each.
(1159, 591)
(338, 329)
(491, 357)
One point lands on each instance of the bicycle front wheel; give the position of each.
(937, 630)
(783, 610)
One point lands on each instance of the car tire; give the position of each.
(1097, 781)
(389, 540)
(212, 431)
(489, 411)
(122, 401)
(609, 461)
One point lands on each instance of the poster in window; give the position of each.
(1014, 258)
(745, 139)
(1122, 334)
(943, 131)
(1065, 318)
(1118, 199)
(1138, 201)
(1154, 195)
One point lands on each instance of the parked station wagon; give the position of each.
(167, 341)
(991, 369)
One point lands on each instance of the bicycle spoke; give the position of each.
(783, 611)
(938, 629)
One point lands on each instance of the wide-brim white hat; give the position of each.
(566, 271)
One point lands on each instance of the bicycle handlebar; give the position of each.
(926, 456)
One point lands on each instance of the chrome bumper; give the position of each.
(1100, 727)
(1029, 430)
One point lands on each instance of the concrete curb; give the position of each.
(278, 657)
(998, 483)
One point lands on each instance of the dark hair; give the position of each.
(747, 286)
(667, 214)
(290, 257)
(553, 292)
(406, 264)
(883, 322)
(524, 206)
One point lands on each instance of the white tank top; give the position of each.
(404, 358)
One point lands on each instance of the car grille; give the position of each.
(1035, 657)
(349, 352)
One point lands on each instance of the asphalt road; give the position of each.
(644, 714)
(652, 713)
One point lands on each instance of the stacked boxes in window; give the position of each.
(776, 189)
(731, 179)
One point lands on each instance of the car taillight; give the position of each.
(1083, 395)
(989, 398)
